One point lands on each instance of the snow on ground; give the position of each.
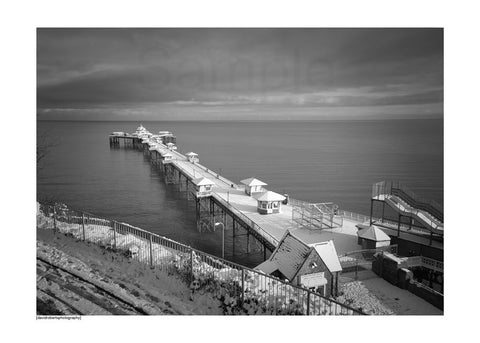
(375, 295)
(165, 293)
(372, 294)
(264, 294)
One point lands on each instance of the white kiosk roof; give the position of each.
(253, 182)
(203, 181)
(372, 233)
(270, 196)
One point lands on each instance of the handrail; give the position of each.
(247, 220)
(399, 189)
(407, 208)
(429, 207)
(239, 214)
(421, 285)
(392, 248)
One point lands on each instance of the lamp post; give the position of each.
(223, 237)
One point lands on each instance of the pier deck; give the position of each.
(272, 227)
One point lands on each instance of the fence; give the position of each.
(315, 215)
(242, 290)
(357, 257)
(422, 261)
(355, 216)
(361, 218)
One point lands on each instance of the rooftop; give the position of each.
(373, 233)
(270, 196)
(253, 182)
(328, 254)
(203, 181)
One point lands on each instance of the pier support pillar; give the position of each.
(371, 211)
(383, 211)
(233, 240)
(399, 222)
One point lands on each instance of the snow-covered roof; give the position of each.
(267, 267)
(270, 196)
(253, 182)
(372, 233)
(203, 181)
(291, 253)
(288, 257)
(328, 254)
(191, 154)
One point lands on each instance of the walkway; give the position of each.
(344, 237)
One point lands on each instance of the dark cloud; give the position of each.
(316, 67)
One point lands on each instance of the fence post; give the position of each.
(83, 226)
(151, 251)
(54, 219)
(243, 285)
(192, 277)
(114, 235)
(308, 303)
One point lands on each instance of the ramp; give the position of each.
(406, 203)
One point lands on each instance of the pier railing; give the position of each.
(354, 216)
(241, 290)
(422, 261)
(247, 220)
(315, 215)
(254, 226)
(391, 224)
(407, 195)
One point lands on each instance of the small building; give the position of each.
(253, 185)
(203, 187)
(192, 157)
(166, 157)
(372, 237)
(269, 202)
(314, 266)
(171, 146)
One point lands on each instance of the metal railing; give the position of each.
(311, 214)
(361, 218)
(402, 191)
(235, 211)
(422, 261)
(370, 252)
(421, 285)
(387, 223)
(242, 290)
(247, 220)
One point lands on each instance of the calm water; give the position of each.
(322, 161)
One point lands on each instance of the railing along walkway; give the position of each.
(242, 290)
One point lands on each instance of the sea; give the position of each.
(314, 161)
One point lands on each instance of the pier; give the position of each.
(222, 204)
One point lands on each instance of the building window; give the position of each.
(275, 205)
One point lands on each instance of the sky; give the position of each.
(239, 74)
